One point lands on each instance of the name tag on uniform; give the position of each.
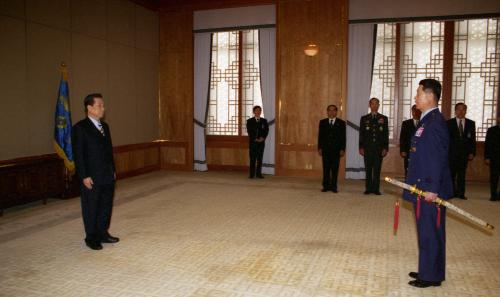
(419, 132)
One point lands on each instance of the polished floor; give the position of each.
(221, 234)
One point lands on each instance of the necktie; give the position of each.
(101, 130)
(331, 123)
(416, 123)
(461, 128)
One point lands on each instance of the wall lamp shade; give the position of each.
(311, 50)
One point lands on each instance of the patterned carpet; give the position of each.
(223, 235)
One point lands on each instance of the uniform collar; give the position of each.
(427, 112)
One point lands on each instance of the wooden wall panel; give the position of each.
(135, 159)
(173, 155)
(227, 157)
(176, 80)
(109, 47)
(307, 85)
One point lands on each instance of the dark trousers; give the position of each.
(256, 151)
(494, 174)
(97, 205)
(373, 165)
(431, 243)
(331, 161)
(458, 168)
(406, 166)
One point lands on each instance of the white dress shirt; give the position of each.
(331, 121)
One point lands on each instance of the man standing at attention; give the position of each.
(257, 130)
(408, 128)
(428, 170)
(331, 147)
(492, 157)
(93, 154)
(462, 148)
(373, 145)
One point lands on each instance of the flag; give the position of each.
(62, 130)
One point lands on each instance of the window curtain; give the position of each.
(202, 53)
(267, 58)
(360, 66)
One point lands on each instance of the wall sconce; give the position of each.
(311, 50)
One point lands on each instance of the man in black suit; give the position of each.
(492, 157)
(407, 130)
(331, 147)
(462, 147)
(257, 130)
(93, 154)
(373, 145)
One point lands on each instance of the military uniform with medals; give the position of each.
(428, 170)
(373, 139)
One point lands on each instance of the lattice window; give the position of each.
(476, 63)
(384, 71)
(251, 92)
(422, 57)
(234, 88)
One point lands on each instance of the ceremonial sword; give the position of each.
(441, 202)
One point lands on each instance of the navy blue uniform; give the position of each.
(428, 170)
(492, 153)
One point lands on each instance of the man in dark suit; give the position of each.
(492, 157)
(257, 130)
(95, 167)
(462, 147)
(331, 146)
(408, 128)
(373, 145)
(428, 170)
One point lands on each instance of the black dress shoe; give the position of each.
(250, 177)
(334, 190)
(367, 192)
(462, 197)
(324, 190)
(377, 193)
(260, 176)
(413, 275)
(423, 284)
(110, 239)
(493, 199)
(94, 245)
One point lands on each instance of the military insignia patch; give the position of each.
(61, 122)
